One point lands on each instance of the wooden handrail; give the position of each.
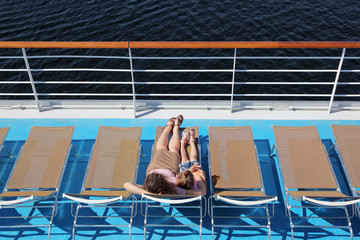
(244, 44)
(144, 44)
(64, 44)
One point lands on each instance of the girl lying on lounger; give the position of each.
(162, 174)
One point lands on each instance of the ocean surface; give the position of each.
(150, 20)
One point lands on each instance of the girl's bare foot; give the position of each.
(185, 137)
(192, 135)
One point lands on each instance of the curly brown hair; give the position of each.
(185, 180)
(157, 183)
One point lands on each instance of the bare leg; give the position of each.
(183, 153)
(163, 140)
(174, 144)
(193, 151)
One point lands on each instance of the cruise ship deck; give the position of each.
(34, 98)
(87, 124)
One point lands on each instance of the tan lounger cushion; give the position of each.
(318, 194)
(241, 193)
(26, 193)
(104, 193)
(42, 158)
(303, 158)
(3, 132)
(233, 158)
(114, 158)
(348, 142)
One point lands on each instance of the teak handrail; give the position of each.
(185, 44)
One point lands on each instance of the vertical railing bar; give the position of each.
(31, 78)
(233, 82)
(133, 82)
(336, 79)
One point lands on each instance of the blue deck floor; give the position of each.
(84, 136)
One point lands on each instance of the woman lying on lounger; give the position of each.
(162, 175)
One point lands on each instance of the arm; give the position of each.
(200, 178)
(135, 188)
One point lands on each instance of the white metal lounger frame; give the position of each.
(27, 202)
(316, 204)
(149, 201)
(240, 203)
(105, 203)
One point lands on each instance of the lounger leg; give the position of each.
(288, 212)
(49, 231)
(211, 214)
(75, 219)
(349, 222)
(268, 221)
(145, 218)
(133, 205)
(201, 220)
(54, 212)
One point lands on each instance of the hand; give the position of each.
(195, 167)
(199, 175)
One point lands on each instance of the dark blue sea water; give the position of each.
(191, 20)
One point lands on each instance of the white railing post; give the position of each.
(133, 82)
(233, 82)
(31, 79)
(336, 79)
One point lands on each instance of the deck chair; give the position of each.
(36, 176)
(114, 161)
(3, 133)
(236, 178)
(347, 139)
(308, 179)
(150, 203)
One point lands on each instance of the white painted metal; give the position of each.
(336, 79)
(233, 82)
(271, 104)
(31, 78)
(133, 82)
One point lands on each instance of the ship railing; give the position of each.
(230, 99)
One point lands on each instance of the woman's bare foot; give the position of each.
(179, 120)
(170, 123)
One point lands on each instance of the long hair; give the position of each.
(185, 180)
(157, 183)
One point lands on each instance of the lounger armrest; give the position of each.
(172, 201)
(245, 203)
(16, 201)
(331, 204)
(92, 201)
